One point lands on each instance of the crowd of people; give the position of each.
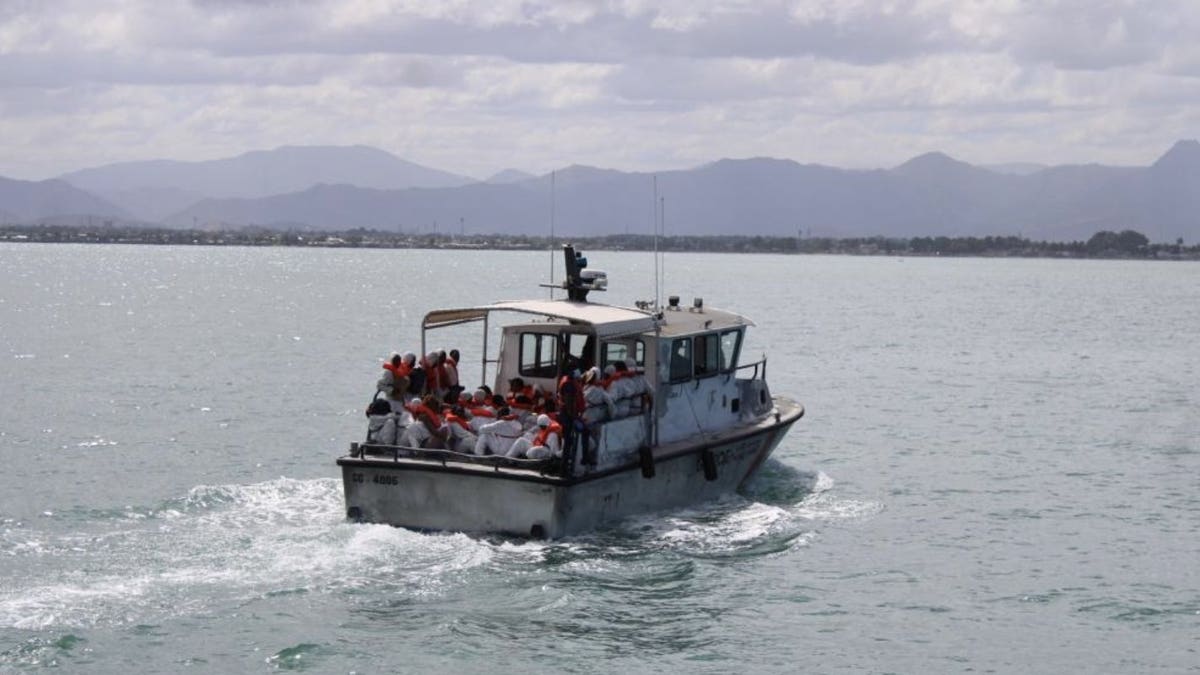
(420, 403)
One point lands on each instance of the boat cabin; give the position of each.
(689, 357)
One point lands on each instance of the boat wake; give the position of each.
(217, 547)
(221, 548)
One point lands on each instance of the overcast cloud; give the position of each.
(474, 87)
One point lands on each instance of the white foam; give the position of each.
(220, 546)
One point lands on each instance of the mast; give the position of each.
(551, 248)
(654, 211)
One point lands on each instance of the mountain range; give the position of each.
(337, 188)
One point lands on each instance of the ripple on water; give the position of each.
(52, 652)
(298, 657)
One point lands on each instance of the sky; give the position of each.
(477, 87)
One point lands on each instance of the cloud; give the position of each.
(472, 86)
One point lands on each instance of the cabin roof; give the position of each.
(607, 320)
(686, 321)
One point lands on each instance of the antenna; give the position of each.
(654, 211)
(663, 252)
(552, 205)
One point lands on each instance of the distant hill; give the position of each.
(1016, 168)
(30, 202)
(932, 194)
(510, 176)
(154, 189)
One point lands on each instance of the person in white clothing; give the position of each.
(641, 395)
(599, 405)
(381, 423)
(460, 437)
(623, 389)
(546, 443)
(496, 438)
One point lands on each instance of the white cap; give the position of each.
(543, 420)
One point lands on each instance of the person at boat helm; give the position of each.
(545, 443)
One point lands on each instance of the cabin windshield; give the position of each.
(619, 351)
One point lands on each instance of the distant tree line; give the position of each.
(1104, 244)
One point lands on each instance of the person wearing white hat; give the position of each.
(599, 404)
(546, 443)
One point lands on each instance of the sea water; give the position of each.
(998, 471)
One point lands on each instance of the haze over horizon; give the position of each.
(476, 88)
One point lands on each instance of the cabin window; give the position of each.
(539, 355)
(731, 343)
(681, 359)
(619, 351)
(580, 351)
(708, 354)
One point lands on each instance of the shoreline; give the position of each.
(1127, 245)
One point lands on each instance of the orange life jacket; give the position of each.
(420, 409)
(399, 371)
(544, 434)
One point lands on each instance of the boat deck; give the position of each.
(785, 412)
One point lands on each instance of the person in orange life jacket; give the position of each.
(495, 438)
(640, 394)
(517, 387)
(610, 375)
(386, 390)
(399, 371)
(417, 375)
(460, 437)
(570, 406)
(427, 427)
(433, 375)
(545, 444)
(599, 405)
(464, 399)
(451, 366)
(481, 412)
(623, 389)
(524, 408)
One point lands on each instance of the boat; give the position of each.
(703, 428)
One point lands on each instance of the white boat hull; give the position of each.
(428, 494)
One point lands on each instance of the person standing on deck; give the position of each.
(570, 408)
